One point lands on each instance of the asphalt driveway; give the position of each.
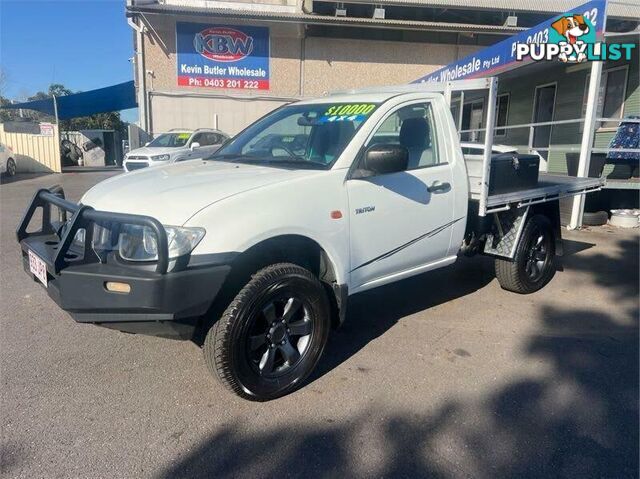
(443, 375)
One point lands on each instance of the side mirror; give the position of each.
(384, 159)
(194, 146)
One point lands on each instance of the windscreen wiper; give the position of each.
(296, 161)
(299, 161)
(234, 157)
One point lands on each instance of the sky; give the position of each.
(81, 44)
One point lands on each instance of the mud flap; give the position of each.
(505, 234)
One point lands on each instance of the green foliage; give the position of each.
(99, 121)
(58, 90)
(6, 115)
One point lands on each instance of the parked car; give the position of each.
(174, 146)
(8, 165)
(258, 249)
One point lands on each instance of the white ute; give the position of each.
(257, 249)
(174, 146)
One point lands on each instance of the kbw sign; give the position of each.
(216, 56)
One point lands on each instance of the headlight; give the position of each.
(183, 240)
(139, 243)
(78, 239)
(160, 158)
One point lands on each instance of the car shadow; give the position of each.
(572, 413)
(575, 419)
(571, 247)
(5, 180)
(371, 313)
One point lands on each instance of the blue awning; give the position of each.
(103, 100)
(502, 57)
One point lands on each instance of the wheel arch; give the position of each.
(551, 210)
(291, 248)
(284, 248)
(511, 224)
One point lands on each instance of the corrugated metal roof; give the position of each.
(616, 8)
(323, 19)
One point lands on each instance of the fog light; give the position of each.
(116, 287)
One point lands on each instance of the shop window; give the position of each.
(472, 115)
(502, 113)
(613, 88)
(455, 113)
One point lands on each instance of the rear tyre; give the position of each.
(533, 264)
(11, 167)
(272, 335)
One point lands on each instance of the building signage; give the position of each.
(46, 129)
(509, 54)
(222, 56)
(573, 38)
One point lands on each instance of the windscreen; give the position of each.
(305, 136)
(170, 140)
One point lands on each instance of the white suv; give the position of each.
(174, 146)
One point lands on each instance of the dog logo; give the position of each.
(572, 28)
(570, 38)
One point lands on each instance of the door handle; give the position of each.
(438, 186)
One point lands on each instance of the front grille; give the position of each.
(136, 166)
(134, 157)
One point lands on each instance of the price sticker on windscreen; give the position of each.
(347, 112)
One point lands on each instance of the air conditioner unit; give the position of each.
(511, 21)
(378, 13)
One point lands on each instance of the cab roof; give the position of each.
(370, 95)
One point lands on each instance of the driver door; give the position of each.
(401, 221)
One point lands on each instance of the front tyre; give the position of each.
(272, 334)
(11, 167)
(533, 264)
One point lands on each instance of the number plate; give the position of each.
(38, 267)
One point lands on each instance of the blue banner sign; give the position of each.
(572, 32)
(222, 56)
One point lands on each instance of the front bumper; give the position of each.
(159, 303)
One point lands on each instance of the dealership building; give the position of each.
(223, 64)
(306, 48)
(311, 48)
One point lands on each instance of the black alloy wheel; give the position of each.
(271, 336)
(537, 256)
(280, 335)
(533, 264)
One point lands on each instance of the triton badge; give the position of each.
(366, 209)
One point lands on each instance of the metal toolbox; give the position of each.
(513, 172)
